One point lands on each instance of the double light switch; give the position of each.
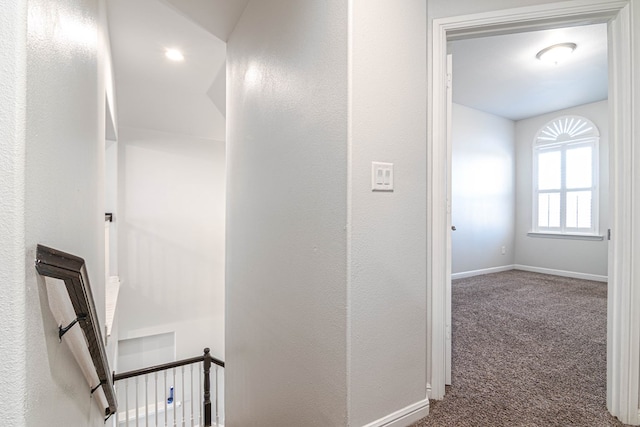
(381, 176)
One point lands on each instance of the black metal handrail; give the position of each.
(206, 358)
(165, 366)
(72, 270)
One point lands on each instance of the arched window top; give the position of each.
(567, 129)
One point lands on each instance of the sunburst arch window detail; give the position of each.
(567, 128)
(565, 177)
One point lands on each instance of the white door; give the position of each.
(449, 225)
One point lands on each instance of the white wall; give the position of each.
(294, 270)
(13, 345)
(486, 149)
(483, 190)
(286, 327)
(64, 193)
(105, 68)
(111, 203)
(580, 256)
(445, 8)
(387, 281)
(171, 239)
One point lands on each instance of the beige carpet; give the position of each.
(528, 350)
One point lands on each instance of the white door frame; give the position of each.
(623, 330)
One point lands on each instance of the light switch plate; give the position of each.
(381, 176)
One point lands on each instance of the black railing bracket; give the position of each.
(93, 390)
(62, 331)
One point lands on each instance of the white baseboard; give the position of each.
(403, 417)
(563, 273)
(472, 273)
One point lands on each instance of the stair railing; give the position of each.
(175, 405)
(73, 272)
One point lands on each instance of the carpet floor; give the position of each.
(528, 349)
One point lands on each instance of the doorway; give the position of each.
(623, 356)
(502, 96)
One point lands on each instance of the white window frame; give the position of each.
(560, 134)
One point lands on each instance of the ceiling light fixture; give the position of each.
(556, 53)
(174, 55)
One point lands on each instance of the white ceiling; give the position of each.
(186, 97)
(501, 75)
(219, 17)
(498, 74)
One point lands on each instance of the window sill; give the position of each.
(569, 236)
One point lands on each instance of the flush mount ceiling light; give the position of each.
(556, 53)
(174, 54)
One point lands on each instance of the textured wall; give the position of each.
(64, 193)
(387, 288)
(286, 215)
(13, 18)
(445, 8)
(171, 235)
(483, 190)
(579, 256)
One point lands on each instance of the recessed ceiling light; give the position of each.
(174, 55)
(556, 53)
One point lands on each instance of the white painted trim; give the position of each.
(405, 416)
(623, 328)
(436, 213)
(567, 236)
(543, 270)
(623, 334)
(472, 273)
(531, 18)
(562, 273)
(448, 351)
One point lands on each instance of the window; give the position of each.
(565, 177)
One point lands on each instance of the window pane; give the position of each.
(579, 167)
(579, 209)
(549, 210)
(549, 170)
